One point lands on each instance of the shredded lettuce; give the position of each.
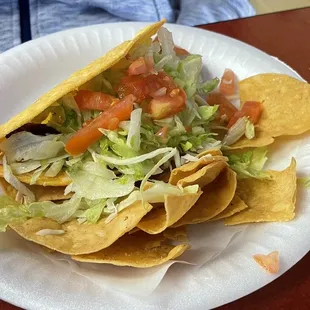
(92, 186)
(249, 130)
(69, 102)
(200, 101)
(99, 169)
(163, 62)
(55, 168)
(10, 211)
(87, 115)
(133, 138)
(117, 143)
(37, 174)
(208, 86)
(207, 113)
(48, 232)
(155, 193)
(250, 164)
(165, 159)
(188, 71)
(93, 214)
(24, 167)
(133, 160)
(178, 127)
(236, 131)
(58, 212)
(19, 186)
(138, 171)
(24, 146)
(74, 160)
(72, 121)
(166, 41)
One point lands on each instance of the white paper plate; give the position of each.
(31, 281)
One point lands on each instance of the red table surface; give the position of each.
(285, 35)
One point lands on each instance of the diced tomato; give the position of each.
(225, 106)
(108, 119)
(135, 85)
(250, 109)
(180, 51)
(142, 86)
(166, 81)
(188, 128)
(162, 132)
(270, 262)
(159, 92)
(139, 66)
(168, 105)
(89, 100)
(228, 83)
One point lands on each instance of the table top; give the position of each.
(284, 35)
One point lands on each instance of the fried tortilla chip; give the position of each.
(48, 193)
(203, 176)
(214, 152)
(83, 238)
(189, 168)
(78, 79)
(216, 196)
(268, 200)
(134, 230)
(163, 217)
(235, 206)
(139, 250)
(62, 179)
(261, 139)
(176, 234)
(286, 108)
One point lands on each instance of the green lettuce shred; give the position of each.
(250, 164)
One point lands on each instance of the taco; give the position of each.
(101, 139)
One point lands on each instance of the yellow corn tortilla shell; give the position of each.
(214, 152)
(261, 139)
(204, 176)
(176, 234)
(49, 193)
(62, 179)
(268, 200)
(286, 108)
(134, 230)
(139, 250)
(235, 206)
(78, 79)
(83, 238)
(163, 217)
(215, 198)
(191, 167)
